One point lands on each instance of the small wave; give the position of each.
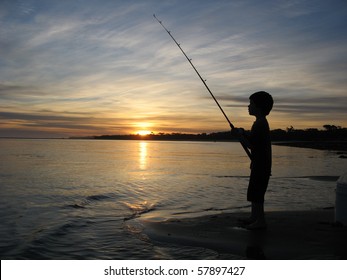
(231, 176)
(98, 197)
(139, 209)
(212, 209)
(315, 178)
(83, 203)
(135, 228)
(323, 178)
(76, 206)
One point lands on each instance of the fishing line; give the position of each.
(204, 82)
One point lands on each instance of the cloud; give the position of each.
(108, 64)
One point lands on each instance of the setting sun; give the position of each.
(143, 132)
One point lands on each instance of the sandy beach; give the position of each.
(290, 235)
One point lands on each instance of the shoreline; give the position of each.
(290, 235)
(338, 146)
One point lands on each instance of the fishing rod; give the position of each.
(204, 82)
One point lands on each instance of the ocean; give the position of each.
(83, 199)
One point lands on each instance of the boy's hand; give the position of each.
(239, 132)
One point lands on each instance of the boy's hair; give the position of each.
(263, 100)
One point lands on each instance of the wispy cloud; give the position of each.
(85, 67)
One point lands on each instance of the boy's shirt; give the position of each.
(261, 147)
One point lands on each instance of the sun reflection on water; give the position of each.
(143, 155)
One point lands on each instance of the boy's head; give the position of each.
(263, 101)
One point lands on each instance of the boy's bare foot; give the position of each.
(257, 225)
(247, 221)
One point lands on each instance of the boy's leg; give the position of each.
(252, 218)
(259, 210)
(258, 215)
(254, 212)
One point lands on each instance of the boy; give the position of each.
(259, 143)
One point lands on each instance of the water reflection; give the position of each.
(143, 155)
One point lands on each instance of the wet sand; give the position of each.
(289, 235)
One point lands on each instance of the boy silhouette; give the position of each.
(259, 143)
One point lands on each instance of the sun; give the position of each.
(143, 132)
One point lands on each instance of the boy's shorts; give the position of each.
(257, 186)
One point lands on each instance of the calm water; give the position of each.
(79, 199)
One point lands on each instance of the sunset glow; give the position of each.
(143, 132)
(96, 67)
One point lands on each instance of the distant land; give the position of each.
(331, 137)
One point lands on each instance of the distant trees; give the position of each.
(330, 132)
(330, 127)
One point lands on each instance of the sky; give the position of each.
(95, 67)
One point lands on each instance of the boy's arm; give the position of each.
(242, 136)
